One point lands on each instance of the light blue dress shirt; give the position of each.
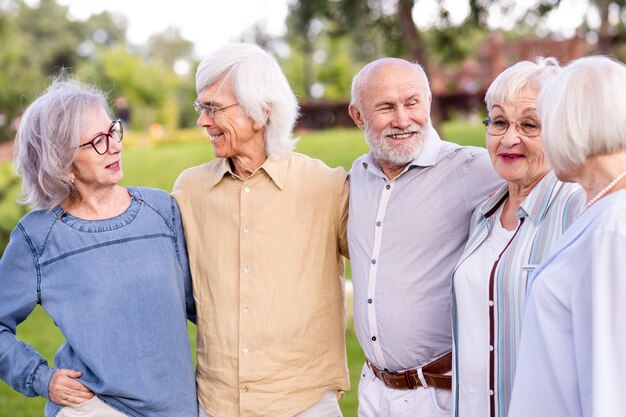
(572, 354)
(405, 237)
(120, 292)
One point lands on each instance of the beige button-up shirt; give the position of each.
(267, 266)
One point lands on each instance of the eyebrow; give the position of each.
(415, 96)
(95, 135)
(526, 110)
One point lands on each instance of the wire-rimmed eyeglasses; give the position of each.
(210, 110)
(100, 142)
(526, 126)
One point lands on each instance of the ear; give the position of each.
(357, 116)
(261, 125)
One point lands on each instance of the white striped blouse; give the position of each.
(543, 217)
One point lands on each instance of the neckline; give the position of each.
(103, 225)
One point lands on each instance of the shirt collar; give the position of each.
(534, 206)
(427, 156)
(276, 169)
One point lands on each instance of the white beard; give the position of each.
(396, 152)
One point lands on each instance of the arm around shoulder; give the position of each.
(480, 178)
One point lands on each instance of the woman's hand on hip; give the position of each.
(64, 389)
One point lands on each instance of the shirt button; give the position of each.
(373, 261)
(246, 310)
(245, 349)
(387, 186)
(373, 338)
(378, 223)
(246, 389)
(369, 301)
(490, 303)
(490, 348)
(247, 189)
(490, 392)
(245, 229)
(246, 270)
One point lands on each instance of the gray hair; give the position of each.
(582, 111)
(359, 80)
(261, 89)
(521, 77)
(47, 140)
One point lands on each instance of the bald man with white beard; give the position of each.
(411, 202)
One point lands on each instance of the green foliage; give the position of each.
(10, 211)
(39, 41)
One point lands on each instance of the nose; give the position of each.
(115, 145)
(402, 118)
(205, 120)
(511, 137)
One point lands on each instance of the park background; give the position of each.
(320, 45)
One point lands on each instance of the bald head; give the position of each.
(384, 66)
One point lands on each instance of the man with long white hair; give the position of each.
(266, 230)
(411, 200)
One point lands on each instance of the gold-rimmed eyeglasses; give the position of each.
(526, 126)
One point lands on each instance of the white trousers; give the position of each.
(378, 400)
(91, 408)
(327, 406)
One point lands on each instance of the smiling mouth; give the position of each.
(511, 155)
(401, 136)
(114, 165)
(215, 137)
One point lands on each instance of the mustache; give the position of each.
(414, 128)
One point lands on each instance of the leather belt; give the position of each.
(432, 375)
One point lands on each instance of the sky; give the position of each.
(211, 23)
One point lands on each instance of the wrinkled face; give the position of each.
(92, 171)
(233, 133)
(516, 158)
(395, 113)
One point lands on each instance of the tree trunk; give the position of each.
(604, 33)
(416, 49)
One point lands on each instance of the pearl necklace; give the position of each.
(605, 190)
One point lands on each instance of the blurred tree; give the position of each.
(38, 42)
(169, 47)
(147, 86)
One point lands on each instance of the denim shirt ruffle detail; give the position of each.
(103, 225)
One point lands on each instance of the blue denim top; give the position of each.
(119, 290)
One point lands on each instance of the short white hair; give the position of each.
(583, 111)
(261, 89)
(359, 80)
(48, 137)
(524, 76)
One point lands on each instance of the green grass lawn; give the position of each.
(157, 163)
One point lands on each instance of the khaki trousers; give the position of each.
(327, 406)
(90, 408)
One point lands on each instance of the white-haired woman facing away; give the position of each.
(572, 356)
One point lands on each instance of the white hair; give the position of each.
(48, 137)
(261, 89)
(583, 111)
(521, 77)
(359, 80)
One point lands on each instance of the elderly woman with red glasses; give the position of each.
(511, 233)
(107, 263)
